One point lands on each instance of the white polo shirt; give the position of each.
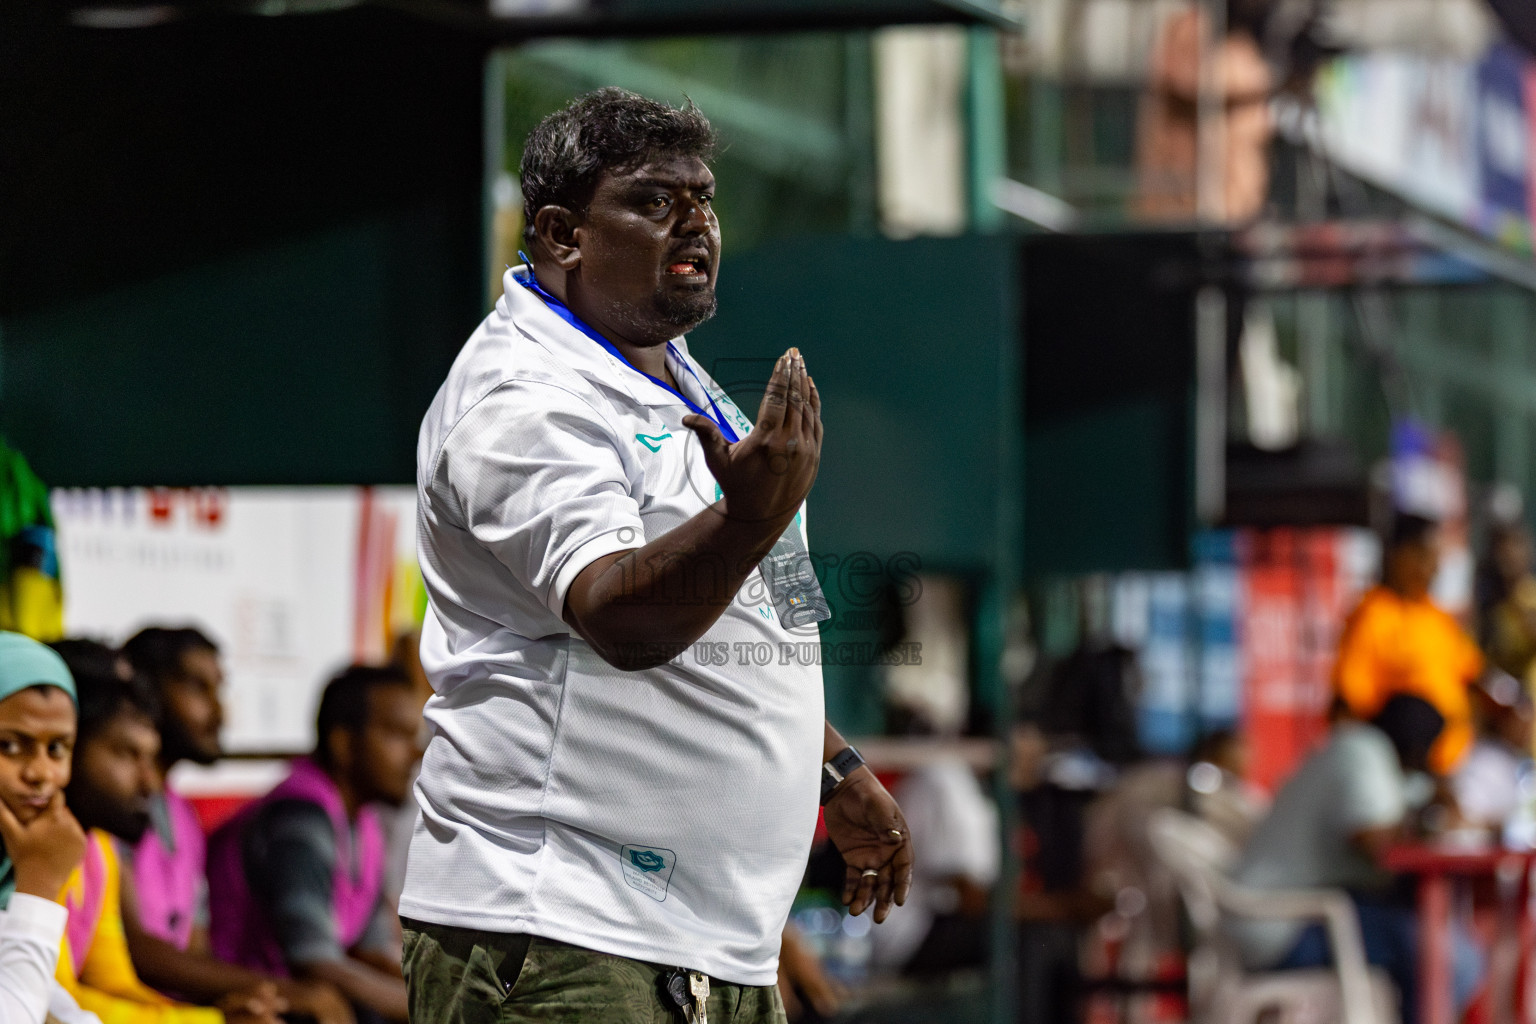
(663, 815)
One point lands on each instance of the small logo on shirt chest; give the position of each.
(652, 441)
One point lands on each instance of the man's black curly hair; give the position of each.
(607, 130)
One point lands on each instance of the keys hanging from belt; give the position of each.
(689, 991)
(698, 984)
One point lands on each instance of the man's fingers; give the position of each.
(815, 417)
(10, 825)
(901, 873)
(794, 404)
(770, 413)
(863, 890)
(714, 442)
(883, 893)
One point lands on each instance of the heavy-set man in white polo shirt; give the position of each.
(628, 742)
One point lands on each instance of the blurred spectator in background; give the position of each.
(114, 775)
(1168, 138)
(1210, 784)
(1217, 787)
(1330, 825)
(1487, 783)
(166, 905)
(1056, 902)
(400, 823)
(1510, 619)
(955, 863)
(945, 924)
(1398, 641)
(43, 841)
(182, 667)
(296, 879)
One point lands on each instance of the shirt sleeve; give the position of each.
(539, 479)
(31, 930)
(290, 859)
(1371, 793)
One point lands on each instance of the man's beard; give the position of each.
(179, 745)
(125, 823)
(683, 311)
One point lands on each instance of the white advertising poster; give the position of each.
(291, 583)
(1407, 122)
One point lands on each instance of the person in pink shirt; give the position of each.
(296, 878)
(166, 902)
(168, 863)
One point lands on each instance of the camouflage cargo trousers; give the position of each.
(465, 976)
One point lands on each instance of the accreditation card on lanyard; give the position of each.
(787, 570)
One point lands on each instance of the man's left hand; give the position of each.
(867, 828)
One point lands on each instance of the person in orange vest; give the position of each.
(1397, 640)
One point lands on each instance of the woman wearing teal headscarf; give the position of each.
(43, 842)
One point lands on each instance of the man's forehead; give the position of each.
(134, 728)
(670, 172)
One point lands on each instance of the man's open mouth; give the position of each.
(690, 265)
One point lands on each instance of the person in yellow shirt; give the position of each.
(1397, 640)
(117, 741)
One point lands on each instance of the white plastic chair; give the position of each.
(1221, 989)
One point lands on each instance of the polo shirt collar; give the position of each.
(533, 316)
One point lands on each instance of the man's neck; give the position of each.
(350, 798)
(648, 359)
(1407, 594)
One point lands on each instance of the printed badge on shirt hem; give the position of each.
(648, 868)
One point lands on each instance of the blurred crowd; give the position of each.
(1428, 748)
(158, 910)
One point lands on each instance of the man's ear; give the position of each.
(555, 227)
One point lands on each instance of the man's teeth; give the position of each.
(683, 268)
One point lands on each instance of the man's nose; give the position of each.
(149, 778)
(694, 219)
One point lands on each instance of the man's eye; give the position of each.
(706, 199)
(59, 750)
(660, 203)
(10, 748)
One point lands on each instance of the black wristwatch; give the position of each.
(833, 772)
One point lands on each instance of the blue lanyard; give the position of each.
(532, 284)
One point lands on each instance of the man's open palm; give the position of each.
(767, 474)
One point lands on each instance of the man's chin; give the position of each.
(683, 312)
(130, 828)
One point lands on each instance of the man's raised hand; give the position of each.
(767, 474)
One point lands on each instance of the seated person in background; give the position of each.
(1487, 782)
(1211, 785)
(43, 841)
(182, 668)
(1397, 640)
(955, 850)
(296, 878)
(1331, 823)
(165, 911)
(1216, 786)
(112, 777)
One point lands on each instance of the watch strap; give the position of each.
(833, 772)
